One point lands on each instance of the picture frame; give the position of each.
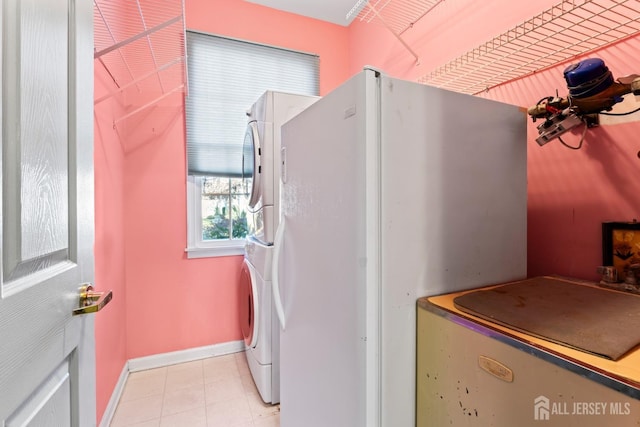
(620, 246)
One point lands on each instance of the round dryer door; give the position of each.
(249, 304)
(251, 166)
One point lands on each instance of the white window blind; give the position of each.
(226, 77)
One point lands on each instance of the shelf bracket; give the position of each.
(375, 12)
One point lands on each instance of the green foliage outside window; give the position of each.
(224, 214)
(216, 226)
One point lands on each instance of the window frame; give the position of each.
(196, 246)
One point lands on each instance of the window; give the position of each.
(226, 77)
(218, 220)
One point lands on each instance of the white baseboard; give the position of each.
(182, 356)
(115, 397)
(164, 359)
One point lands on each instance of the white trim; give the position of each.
(228, 250)
(110, 411)
(161, 360)
(193, 213)
(172, 358)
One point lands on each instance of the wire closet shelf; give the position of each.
(141, 45)
(566, 30)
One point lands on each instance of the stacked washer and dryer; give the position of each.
(261, 176)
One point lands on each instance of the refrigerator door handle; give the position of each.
(275, 279)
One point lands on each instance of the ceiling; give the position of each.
(334, 11)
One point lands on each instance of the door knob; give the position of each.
(91, 301)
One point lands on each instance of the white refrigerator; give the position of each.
(391, 191)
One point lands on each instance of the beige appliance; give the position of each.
(474, 372)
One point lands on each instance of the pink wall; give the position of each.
(172, 303)
(110, 325)
(163, 301)
(570, 192)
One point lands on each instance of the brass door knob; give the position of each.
(91, 301)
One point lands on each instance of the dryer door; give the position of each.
(249, 316)
(251, 166)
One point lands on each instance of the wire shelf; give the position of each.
(141, 44)
(566, 30)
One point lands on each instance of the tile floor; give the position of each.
(215, 392)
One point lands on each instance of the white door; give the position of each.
(47, 367)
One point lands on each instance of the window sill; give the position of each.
(232, 249)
